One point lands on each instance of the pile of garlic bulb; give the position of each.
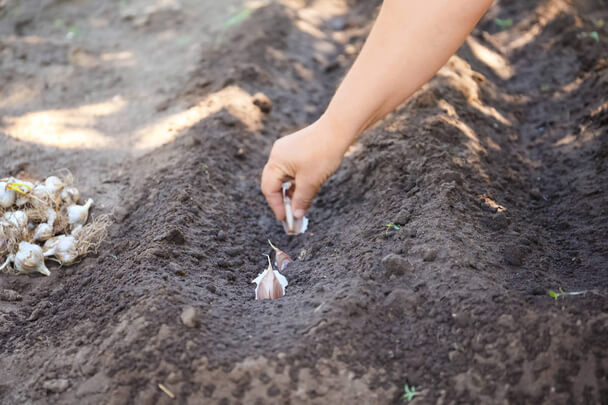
(44, 220)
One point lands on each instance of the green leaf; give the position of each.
(595, 36)
(553, 294)
(410, 393)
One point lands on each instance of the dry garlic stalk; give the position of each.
(281, 259)
(28, 259)
(270, 284)
(292, 226)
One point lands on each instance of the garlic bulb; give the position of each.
(70, 195)
(78, 214)
(7, 197)
(43, 232)
(51, 188)
(17, 219)
(270, 284)
(53, 184)
(25, 187)
(64, 248)
(281, 259)
(28, 259)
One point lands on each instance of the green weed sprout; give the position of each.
(409, 393)
(396, 227)
(504, 23)
(556, 295)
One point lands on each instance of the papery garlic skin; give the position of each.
(64, 248)
(29, 259)
(7, 197)
(78, 214)
(270, 284)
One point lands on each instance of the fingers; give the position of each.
(272, 187)
(302, 197)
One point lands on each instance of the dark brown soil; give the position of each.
(496, 174)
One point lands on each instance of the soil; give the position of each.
(495, 174)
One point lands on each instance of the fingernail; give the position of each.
(299, 213)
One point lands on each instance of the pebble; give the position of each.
(58, 385)
(9, 295)
(395, 265)
(189, 317)
(430, 255)
(262, 101)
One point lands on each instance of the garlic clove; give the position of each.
(70, 195)
(292, 225)
(64, 248)
(29, 259)
(270, 284)
(281, 259)
(78, 214)
(7, 197)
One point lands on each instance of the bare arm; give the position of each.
(409, 42)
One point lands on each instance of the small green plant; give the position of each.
(504, 23)
(409, 393)
(205, 167)
(556, 295)
(561, 294)
(391, 225)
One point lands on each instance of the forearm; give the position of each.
(409, 42)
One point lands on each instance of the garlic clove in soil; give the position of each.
(29, 259)
(70, 195)
(270, 284)
(78, 214)
(281, 259)
(7, 197)
(292, 225)
(64, 248)
(17, 219)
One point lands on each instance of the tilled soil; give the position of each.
(495, 174)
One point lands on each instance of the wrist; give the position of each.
(338, 133)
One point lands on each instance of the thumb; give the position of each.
(302, 198)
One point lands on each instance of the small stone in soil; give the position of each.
(58, 385)
(395, 265)
(430, 255)
(262, 102)
(190, 318)
(9, 295)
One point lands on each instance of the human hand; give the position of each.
(306, 158)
